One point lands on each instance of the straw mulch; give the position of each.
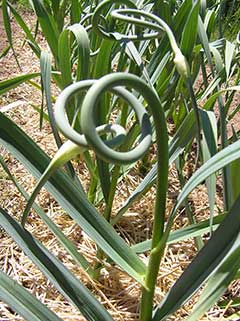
(119, 293)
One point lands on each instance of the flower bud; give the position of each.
(181, 64)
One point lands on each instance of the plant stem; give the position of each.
(146, 308)
(153, 265)
(197, 240)
(197, 117)
(150, 282)
(92, 189)
(107, 216)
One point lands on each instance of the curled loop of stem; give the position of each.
(97, 27)
(90, 133)
(86, 23)
(142, 25)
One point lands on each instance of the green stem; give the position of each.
(92, 189)
(197, 117)
(114, 82)
(108, 208)
(107, 216)
(197, 240)
(146, 308)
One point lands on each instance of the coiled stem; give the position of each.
(115, 83)
(90, 137)
(147, 21)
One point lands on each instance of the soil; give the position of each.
(116, 291)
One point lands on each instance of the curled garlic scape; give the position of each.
(90, 138)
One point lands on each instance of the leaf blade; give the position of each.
(71, 199)
(56, 272)
(23, 302)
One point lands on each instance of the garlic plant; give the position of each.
(139, 61)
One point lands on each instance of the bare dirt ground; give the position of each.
(116, 291)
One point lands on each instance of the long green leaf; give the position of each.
(71, 199)
(218, 283)
(8, 29)
(74, 51)
(101, 69)
(64, 56)
(190, 31)
(76, 9)
(218, 161)
(48, 25)
(234, 174)
(209, 148)
(209, 103)
(45, 65)
(83, 50)
(4, 52)
(55, 271)
(81, 54)
(204, 264)
(24, 303)
(8, 84)
(30, 39)
(183, 136)
(66, 243)
(229, 55)
(183, 234)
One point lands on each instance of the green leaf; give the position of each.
(209, 149)
(218, 58)
(102, 69)
(209, 103)
(218, 245)
(24, 303)
(189, 34)
(229, 55)
(183, 234)
(64, 56)
(209, 259)
(234, 174)
(45, 65)
(32, 42)
(48, 25)
(183, 136)
(39, 110)
(209, 126)
(6, 85)
(66, 243)
(73, 201)
(82, 56)
(4, 52)
(65, 153)
(74, 51)
(211, 88)
(76, 9)
(218, 283)
(8, 29)
(204, 40)
(135, 56)
(218, 161)
(54, 270)
(83, 50)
